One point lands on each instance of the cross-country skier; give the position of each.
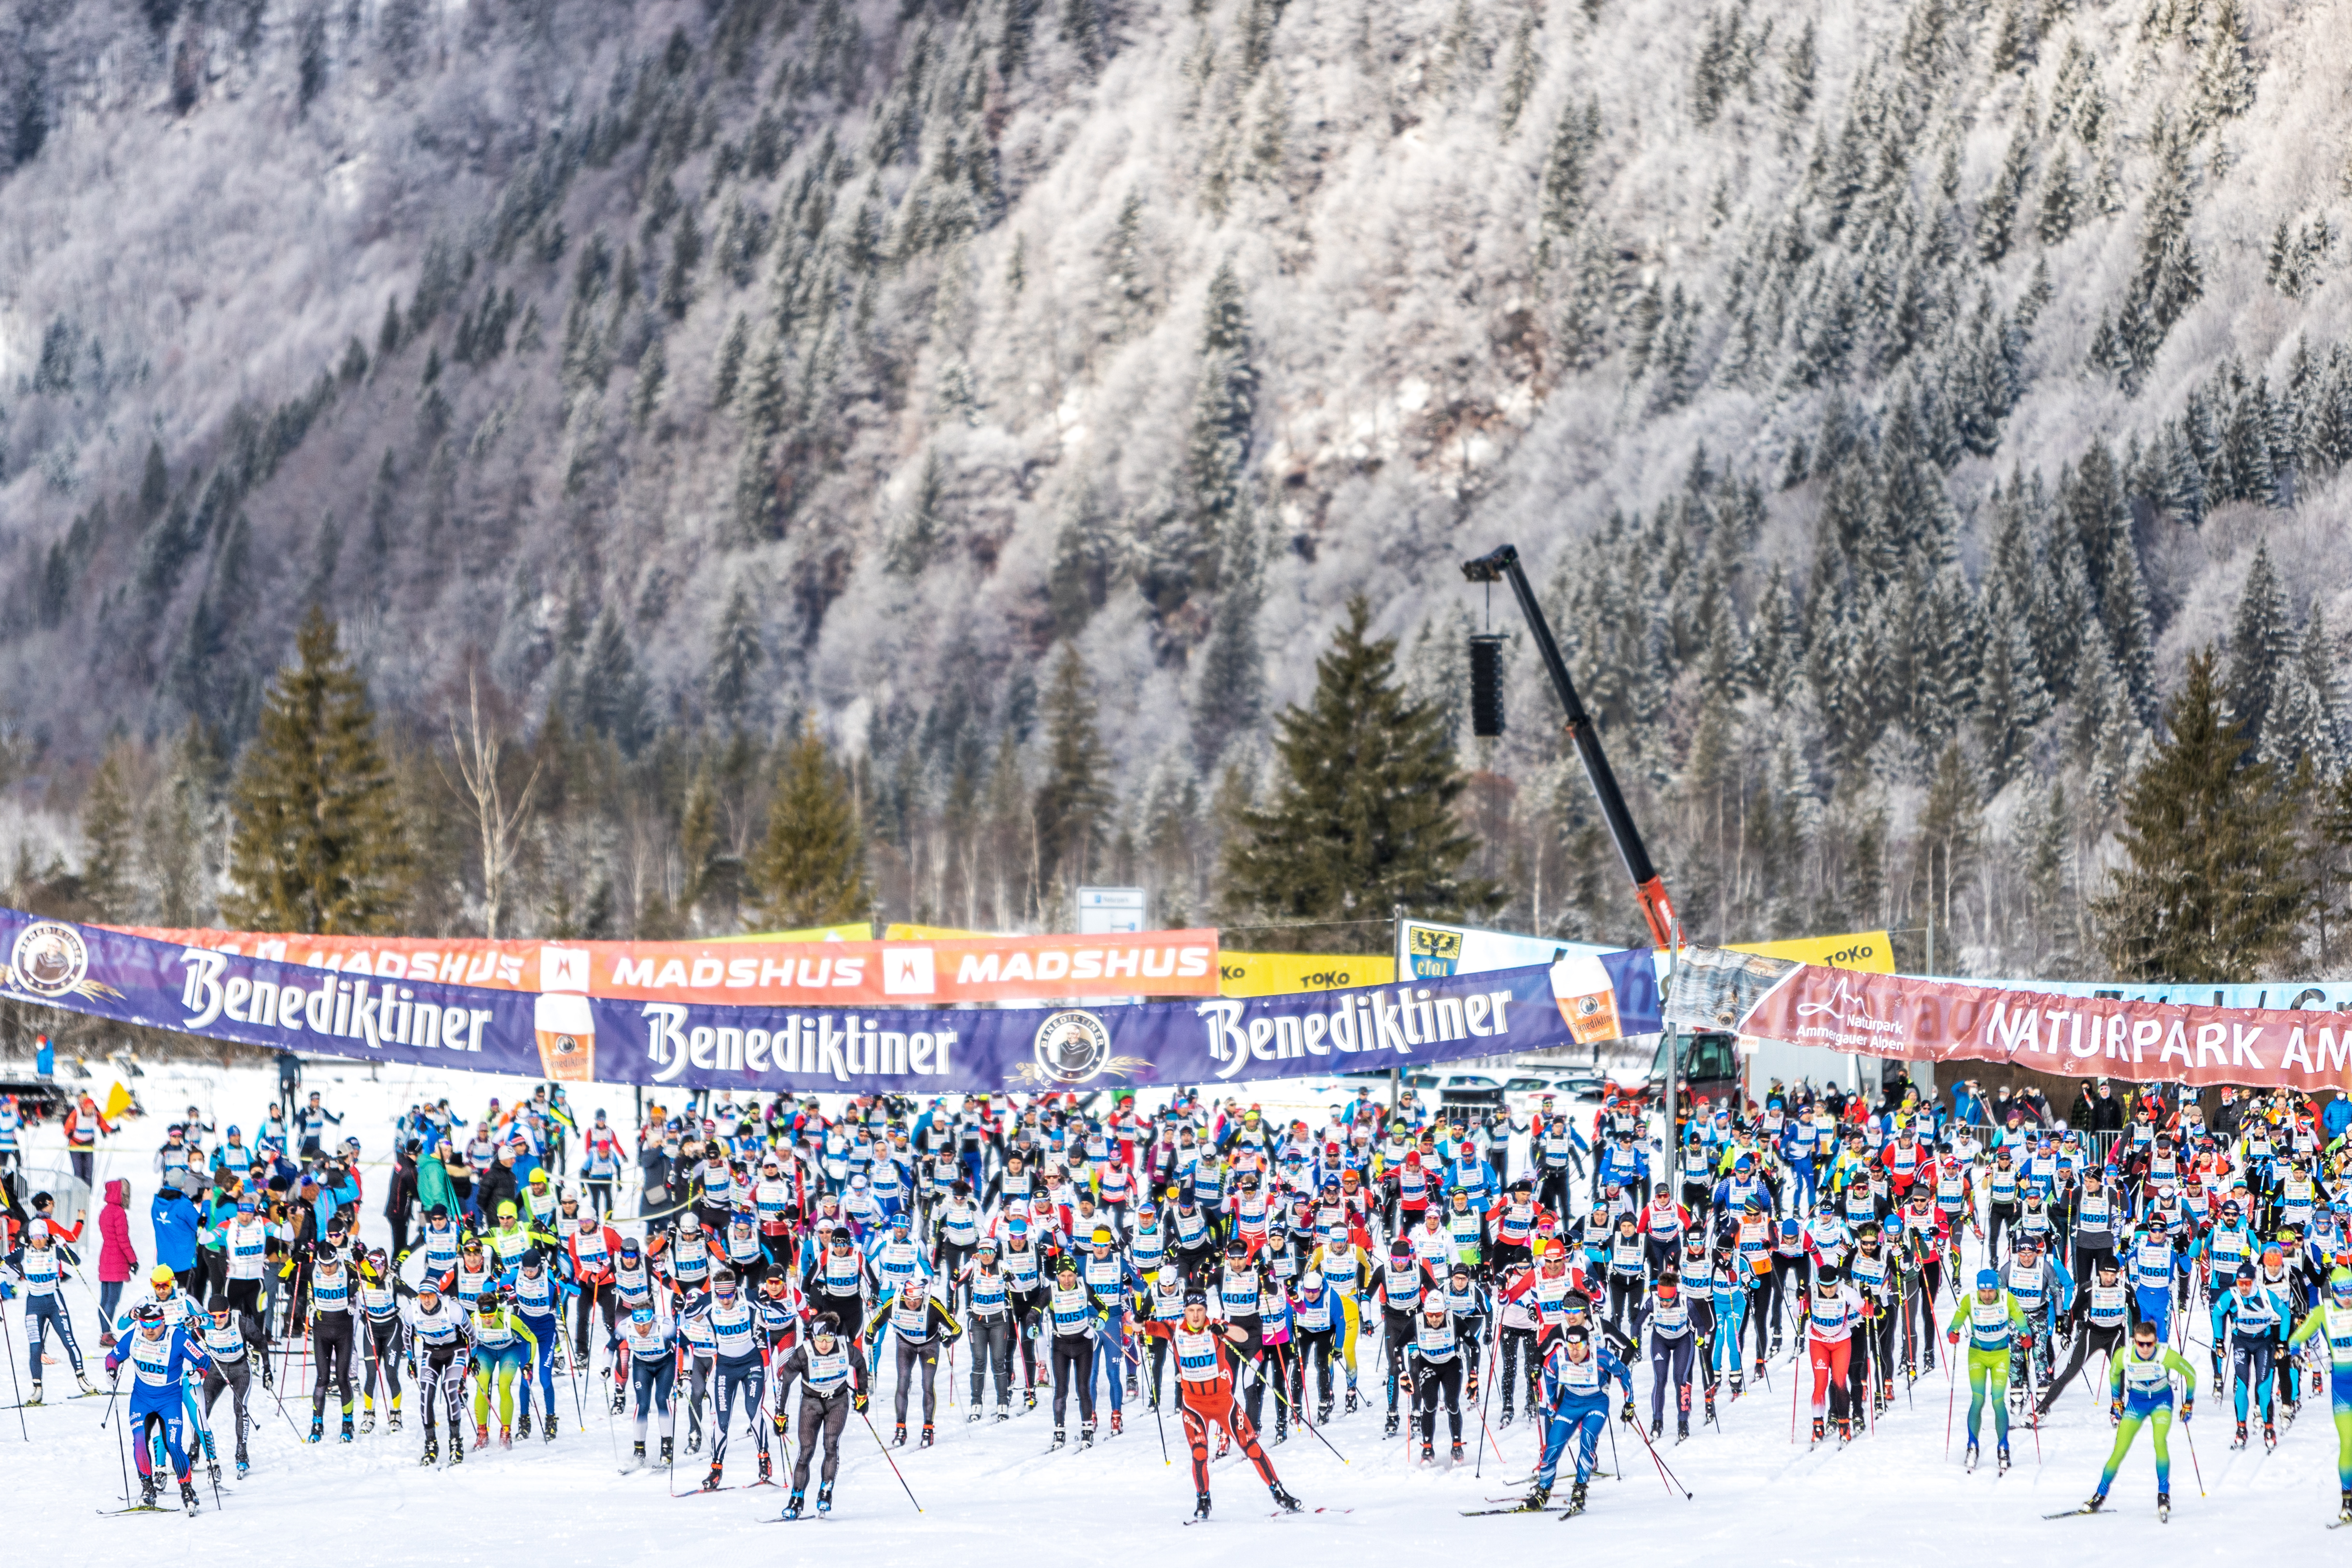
(1204, 1395)
(2141, 1381)
(1574, 1401)
(160, 1355)
(1995, 1321)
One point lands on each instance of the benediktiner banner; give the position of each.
(572, 1037)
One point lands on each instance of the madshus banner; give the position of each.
(571, 1037)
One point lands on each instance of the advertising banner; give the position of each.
(1913, 1019)
(577, 1036)
(970, 968)
(1281, 974)
(1872, 950)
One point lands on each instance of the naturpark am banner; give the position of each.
(575, 1038)
(1905, 1018)
(969, 967)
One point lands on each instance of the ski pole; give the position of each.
(2193, 1465)
(1282, 1375)
(1952, 1383)
(1485, 1393)
(121, 1449)
(1160, 1420)
(1796, 1386)
(894, 1464)
(14, 1387)
(1674, 1482)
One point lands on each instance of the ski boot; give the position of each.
(1351, 1399)
(1576, 1497)
(1457, 1450)
(1737, 1381)
(1282, 1499)
(711, 1481)
(766, 1476)
(792, 1506)
(1844, 1431)
(188, 1496)
(394, 1424)
(1131, 1388)
(1710, 1402)
(1004, 1410)
(638, 1453)
(620, 1398)
(242, 1464)
(972, 1420)
(2163, 1508)
(506, 1436)
(1818, 1430)
(147, 1485)
(347, 1432)
(547, 1427)
(1658, 1428)
(318, 1429)
(929, 1436)
(1537, 1498)
(481, 1440)
(1506, 1416)
(1201, 1506)
(1116, 1426)
(1028, 1400)
(1428, 1452)
(456, 1448)
(667, 1455)
(1087, 1432)
(898, 1436)
(367, 1419)
(694, 1442)
(522, 1422)
(268, 1377)
(2004, 1460)
(1059, 1440)
(1391, 1430)
(1970, 1461)
(2344, 1507)
(1681, 1429)
(2095, 1502)
(34, 1399)
(1323, 1412)
(2270, 1436)
(1281, 1424)
(433, 1450)
(824, 1499)
(87, 1387)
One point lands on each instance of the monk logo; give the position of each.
(50, 959)
(1072, 1046)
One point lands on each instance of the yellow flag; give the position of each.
(118, 1100)
(1282, 974)
(1872, 951)
(860, 931)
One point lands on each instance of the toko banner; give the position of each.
(574, 1036)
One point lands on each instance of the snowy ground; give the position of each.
(990, 1494)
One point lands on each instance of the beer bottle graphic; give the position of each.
(567, 1036)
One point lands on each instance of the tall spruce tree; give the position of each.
(1361, 817)
(318, 842)
(2261, 645)
(2212, 888)
(1225, 409)
(110, 836)
(1074, 803)
(810, 871)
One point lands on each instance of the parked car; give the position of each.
(1452, 1089)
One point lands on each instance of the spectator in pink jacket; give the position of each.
(117, 1260)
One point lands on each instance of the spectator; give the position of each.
(2082, 1115)
(118, 1260)
(175, 1222)
(1968, 1102)
(499, 1185)
(2231, 1111)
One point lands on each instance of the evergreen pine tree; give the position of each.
(728, 370)
(2211, 889)
(1225, 410)
(155, 484)
(1361, 818)
(614, 699)
(108, 873)
(1232, 686)
(735, 655)
(318, 842)
(2261, 643)
(2225, 78)
(1519, 75)
(1997, 218)
(810, 870)
(1074, 800)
